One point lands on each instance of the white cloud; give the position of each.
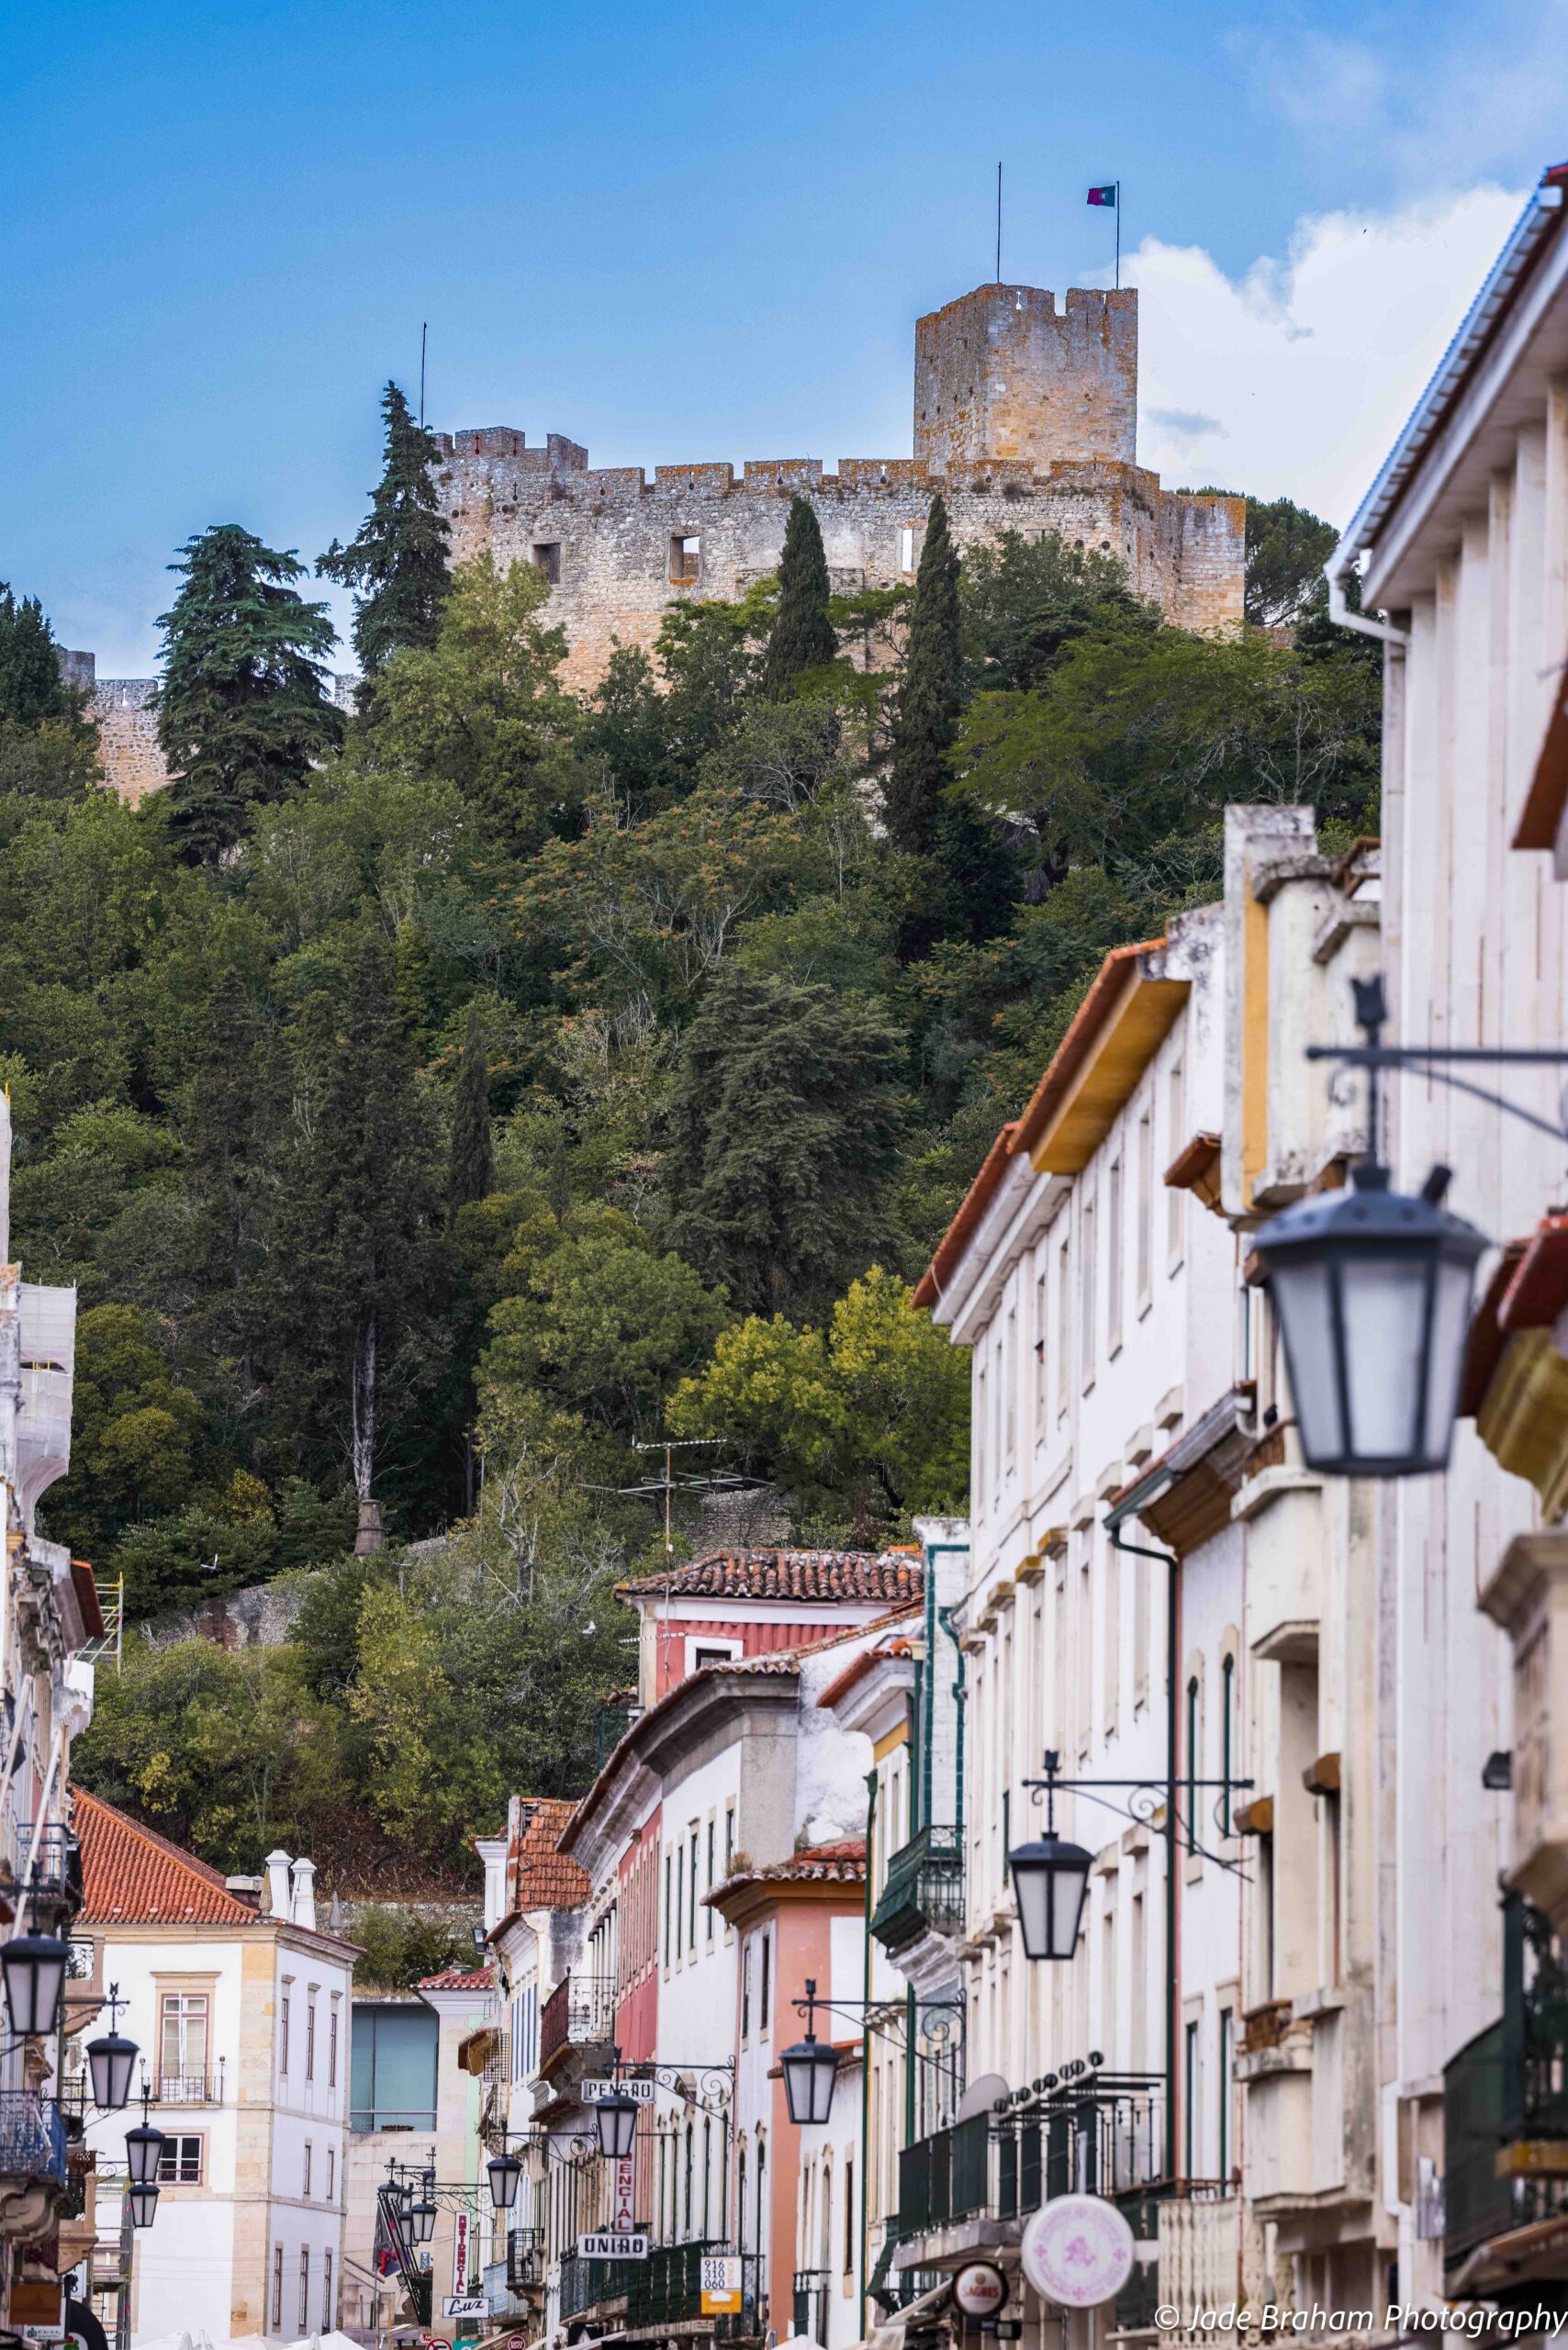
(1294, 380)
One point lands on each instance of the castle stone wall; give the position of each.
(1002, 372)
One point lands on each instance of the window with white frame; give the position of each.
(180, 2160)
(1176, 1221)
(1114, 1243)
(1144, 1207)
(1086, 1271)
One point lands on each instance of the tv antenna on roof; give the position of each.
(670, 1483)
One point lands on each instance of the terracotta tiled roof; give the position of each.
(458, 1978)
(858, 1667)
(130, 1875)
(817, 1575)
(548, 1878)
(840, 1864)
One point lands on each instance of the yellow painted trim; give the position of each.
(1254, 1045)
(1131, 1034)
(889, 1739)
(1523, 1418)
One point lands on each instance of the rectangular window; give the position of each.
(181, 2053)
(1227, 2056)
(332, 2046)
(982, 1405)
(668, 1904)
(691, 1898)
(305, 2191)
(1194, 2090)
(329, 2314)
(1113, 1251)
(277, 2287)
(679, 1893)
(745, 1991)
(1042, 1376)
(547, 559)
(331, 2174)
(1064, 1328)
(849, 2213)
(393, 2066)
(303, 2288)
(179, 2162)
(710, 1880)
(1113, 1587)
(1010, 1399)
(1086, 1243)
(906, 551)
(309, 2040)
(766, 1982)
(1145, 1204)
(283, 2038)
(685, 558)
(1176, 1201)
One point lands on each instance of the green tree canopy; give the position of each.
(31, 688)
(242, 713)
(802, 637)
(397, 563)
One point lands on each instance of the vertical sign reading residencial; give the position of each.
(460, 2255)
(621, 2195)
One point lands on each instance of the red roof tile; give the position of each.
(545, 1877)
(458, 1978)
(817, 1575)
(132, 1874)
(843, 1863)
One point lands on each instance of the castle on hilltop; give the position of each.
(1025, 418)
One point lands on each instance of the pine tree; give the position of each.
(471, 1169)
(242, 715)
(925, 725)
(31, 688)
(802, 635)
(397, 565)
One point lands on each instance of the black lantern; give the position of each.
(421, 2221)
(143, 2151)
(1373, 1292)
(143, 2205)
(810, 2069)
(505, 2170)
(615, 2119)
(1051, 1878)
(34, 1967)
(110, 2062)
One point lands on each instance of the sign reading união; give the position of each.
(980, 2289)
(608, 2246)
(1077, 2251)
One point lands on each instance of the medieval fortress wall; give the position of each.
(1026, 420)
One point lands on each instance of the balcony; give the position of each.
(32, 2160)
(1506, 2115)
(1082, 2132)
(579, 2013)
(924, 1891)
(588, 2284)
(187, 2088)
(525, 2258)
(668, 2288)
(55, 1887)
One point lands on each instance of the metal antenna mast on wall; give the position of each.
(423, 332)
(999, 224)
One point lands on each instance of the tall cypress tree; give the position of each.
(802, 635)
(397, 565)
(968, 889)
(31, 688)
(925, 725)
(471, 1168)
(242, 714)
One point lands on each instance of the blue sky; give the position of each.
(680, 232)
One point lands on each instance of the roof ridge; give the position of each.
(210, 1879)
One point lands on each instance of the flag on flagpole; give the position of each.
(1106, 196)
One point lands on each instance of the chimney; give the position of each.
(305, 1894)
(244, 1888)
(277, 1900)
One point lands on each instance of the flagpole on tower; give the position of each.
(999, 224)
(1119, 236)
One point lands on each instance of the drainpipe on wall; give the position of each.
(1339, 567)
(945, 1617)
(1172, 1944)
(933, 1551)
(866, 2054)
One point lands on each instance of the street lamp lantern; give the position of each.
(615, 2119)
(810, 2069)
(504, 2171)
(1373, 1292)
(143, 2205)
(1051, 1878)
(111, 2060)
(143, 2151)
(421, 2221)
(34, 1968)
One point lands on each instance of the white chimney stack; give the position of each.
(277, 1900)
(305, 1893)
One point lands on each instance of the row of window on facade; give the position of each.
(182, 2163)
(285, 2033)
(329, 2314)
(686, 556)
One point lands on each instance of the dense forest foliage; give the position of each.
(435, 1106)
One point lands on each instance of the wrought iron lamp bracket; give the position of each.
(1142, 1801)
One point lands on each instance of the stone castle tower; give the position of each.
(1002, 372)
(1025, 418)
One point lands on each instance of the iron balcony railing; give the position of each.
(525, 2257)
(187, 2088)
(664, 2290)
(579, 2013)
(1077, 2132)
(32, 2136)
(924, 1888)
(1505, 2090)
(812, 2287)
(55, 1884)
(585, 2284)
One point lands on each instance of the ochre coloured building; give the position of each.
(1025, 418)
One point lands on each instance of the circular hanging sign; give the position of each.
(1077, 2251)
(980, 2289)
